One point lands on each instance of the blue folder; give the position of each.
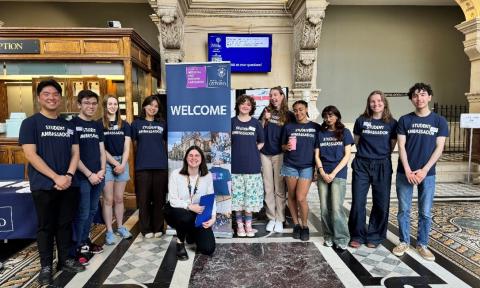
(207, 202)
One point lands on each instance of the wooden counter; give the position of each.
(11, 153)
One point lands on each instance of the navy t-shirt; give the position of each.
(421, 136)
(375, 137)
(245, 154)
(332, 150)
(151, 151)
(221, 177)
(53, 139)
(304, 154)
(115, 137)
(273, 134)
(90, 134)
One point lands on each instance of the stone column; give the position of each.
(471, 29)
(308, 19)
(169, 18)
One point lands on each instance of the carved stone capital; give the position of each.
(308, 21)
(173, 55)
(307, 57)
(473, 98)
(315, 16)
(471, 29)
(308, 95)
(167, 14)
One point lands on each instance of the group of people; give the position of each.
(287, 146)
(72, 163)
(274, 160)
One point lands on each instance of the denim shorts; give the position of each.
(302, 173)
(110, 176)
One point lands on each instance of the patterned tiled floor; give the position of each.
(380, 262)
(141, 262)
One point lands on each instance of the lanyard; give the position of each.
(190, 187)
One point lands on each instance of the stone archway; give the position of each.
(471, 8)
(471, 28)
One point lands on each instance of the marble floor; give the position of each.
(278, 260)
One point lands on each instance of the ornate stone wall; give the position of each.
(308, 20)
(169, 18)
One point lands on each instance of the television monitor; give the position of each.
(250, 53)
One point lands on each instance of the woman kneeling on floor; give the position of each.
(185, 188)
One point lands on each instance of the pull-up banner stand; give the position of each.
(472, 121)
(198, 113)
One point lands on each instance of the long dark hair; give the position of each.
(148, 101)
(203, 165)
(339, 127)
(386, 115)
(105, 118)
(283, 111)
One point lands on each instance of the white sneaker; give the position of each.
(270, 225)
(278, 227)
(148, 235)
(158, 234)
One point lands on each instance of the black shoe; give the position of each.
(45, 276)
(305, 234)
(182, 254)
(189, 239)
(71, 265)
(296, 231)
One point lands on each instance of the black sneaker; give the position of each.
(71, 265)
(45, 276)
(189, 239)
(94, 248)
(305, 234)
(182, 254)
(296, 231)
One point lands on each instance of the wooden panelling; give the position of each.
(4, 155)
(3, 102)
(135, 52)
(144, 58)
(113, 47)
(61, 46)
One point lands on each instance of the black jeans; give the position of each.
(184, 222)
(55, 212)
(151, 187)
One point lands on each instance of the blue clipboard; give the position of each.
(207, 201)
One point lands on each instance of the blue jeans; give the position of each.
(87, 208)
(426, 192)
(334, 219)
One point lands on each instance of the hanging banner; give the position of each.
(198, 113)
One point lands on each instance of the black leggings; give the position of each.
(184, 222)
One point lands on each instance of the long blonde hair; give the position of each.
(105, 119)
(386, 115)
(283, 111)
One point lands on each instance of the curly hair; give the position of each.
(242, 99)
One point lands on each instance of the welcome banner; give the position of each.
(198, 113)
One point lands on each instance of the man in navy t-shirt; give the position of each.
(421, 138)
(91, 172)
(51, 148)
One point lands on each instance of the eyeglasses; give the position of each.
(86, 103)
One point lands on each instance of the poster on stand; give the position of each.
(198, 113)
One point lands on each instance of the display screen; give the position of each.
(246, 52)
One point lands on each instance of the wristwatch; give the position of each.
(69, 174)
